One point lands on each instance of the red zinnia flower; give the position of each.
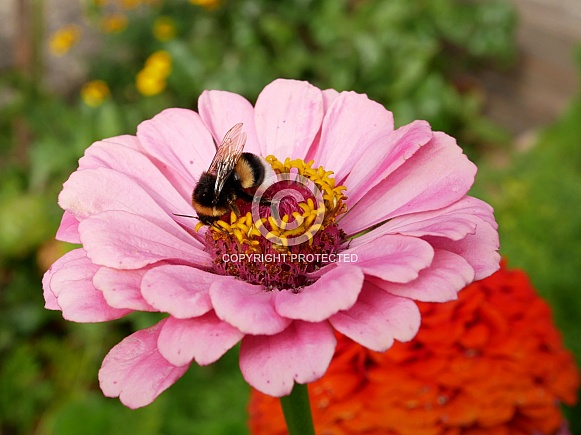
(491, 362)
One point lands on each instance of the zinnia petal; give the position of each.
(378, 318)
(92, 191)
(50, 300)
(221, 110)
(135, 371)
(352, 124)
(247, 307)
(376, 163)
(68, 230)
(203, 339)
(288, 115)
(453, 222)
(179, 139)
(329, 95)
(94, 156)
(334, 291)
(182, 291)
(167, 187)
(440, 282)
(301, 353)
(475, 248)
(126, 241)
(70, 280)
(121, 288)
(393, 257)
(437, 175)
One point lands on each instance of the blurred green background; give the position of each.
(103, 66)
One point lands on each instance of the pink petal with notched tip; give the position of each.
(301, 353)
(378, 318)
(179, 139)
(436, 176)
(68, 230)
(392, 257)
(70, 281)
(247, 307)
(336, 290)
(288, 115)
(479, 249)
(181, 291)
(352, 125)
(127, 241)
(329, 95)
(203, 339)
(122, 288)
(447, 275)
(453, 222)
(172, 193)
(221, 110)
(135, 371)
(378, 162)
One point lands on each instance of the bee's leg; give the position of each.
(218, 227)
(232, 205)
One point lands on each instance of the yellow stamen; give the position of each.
(284, 222)
(305, 207)
(298, 218)
(273, 223)
(238, 235)
(223, 224)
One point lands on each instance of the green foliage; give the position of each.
(401, 53)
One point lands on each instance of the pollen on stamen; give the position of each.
(279, 251)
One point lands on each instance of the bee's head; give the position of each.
(204, 190)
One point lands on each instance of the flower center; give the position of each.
(286, 233)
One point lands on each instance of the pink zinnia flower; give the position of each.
(402, 192)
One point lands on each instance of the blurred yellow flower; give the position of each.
(114, 23)
(207, 4)
(159, 63)
(148, 83)
(130, 4)
(164, 28)
(94, 92)
(64, 38)
(151, 80)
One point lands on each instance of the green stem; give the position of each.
(297, 411)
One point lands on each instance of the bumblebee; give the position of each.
(230, 175)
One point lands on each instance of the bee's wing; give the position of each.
(227, 155)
